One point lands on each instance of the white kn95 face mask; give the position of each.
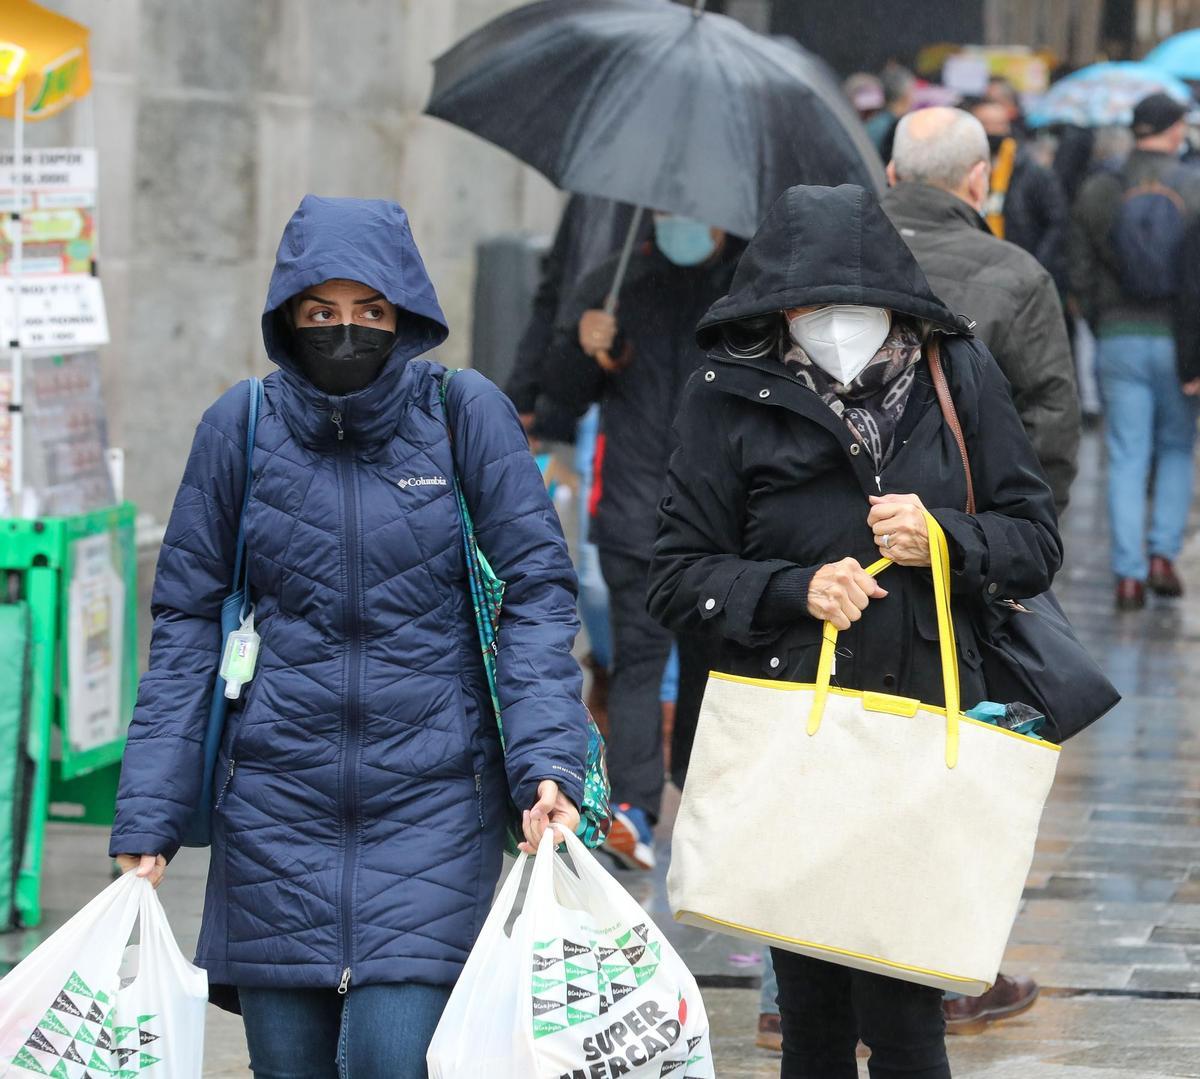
(841, 339)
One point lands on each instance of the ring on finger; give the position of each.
(887, 540)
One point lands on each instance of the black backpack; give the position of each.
(1147, 238)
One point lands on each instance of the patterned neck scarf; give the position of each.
(873, 403)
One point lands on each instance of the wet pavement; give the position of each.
(1110, 925)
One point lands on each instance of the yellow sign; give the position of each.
(12, 66)
(47, 54)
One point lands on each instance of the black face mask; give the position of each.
(995, 142)
(342, 359)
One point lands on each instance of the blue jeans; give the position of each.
(1150, 425)
(373, 1032)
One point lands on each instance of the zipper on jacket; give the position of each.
(879, 484)
(351, 746)
(344, 984)
(479, 797)
(225, 785)
(336, 417)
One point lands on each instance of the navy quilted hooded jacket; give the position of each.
(360, 802)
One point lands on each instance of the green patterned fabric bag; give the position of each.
(487, 597)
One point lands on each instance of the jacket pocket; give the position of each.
(239, 716)
(487, 759)
(925, 617)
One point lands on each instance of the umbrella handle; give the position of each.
(635, 222)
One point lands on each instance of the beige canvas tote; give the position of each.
(865, 829)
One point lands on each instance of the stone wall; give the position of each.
(212, 119)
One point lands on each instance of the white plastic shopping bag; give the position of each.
(580, 985)
(83, 1004)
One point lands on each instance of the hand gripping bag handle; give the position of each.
(940, 558)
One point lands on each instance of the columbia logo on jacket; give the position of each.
(422, 481)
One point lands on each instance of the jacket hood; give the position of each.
(367, 240)
(823, 245)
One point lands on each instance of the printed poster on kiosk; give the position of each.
(95, 643)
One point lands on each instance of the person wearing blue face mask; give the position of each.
(635, 364)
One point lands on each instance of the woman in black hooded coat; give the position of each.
(786, 483)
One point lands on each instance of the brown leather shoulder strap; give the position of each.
(949, 412)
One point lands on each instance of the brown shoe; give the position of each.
(770, 1033)
(1131, 594)
(1008, 997)
(1163, 579)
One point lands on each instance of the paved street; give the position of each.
(1111, 921)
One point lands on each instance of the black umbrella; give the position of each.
(656, 104)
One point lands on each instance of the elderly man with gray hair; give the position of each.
(939, 174)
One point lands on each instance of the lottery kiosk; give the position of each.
(68, 632)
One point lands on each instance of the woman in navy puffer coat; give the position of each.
(361, 795)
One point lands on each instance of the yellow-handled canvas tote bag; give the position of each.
(868, 830)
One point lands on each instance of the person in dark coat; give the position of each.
(359, 821)
(636, 365)
(939, 182)
(939, 176)
(1129, 240)
(590, 231)
(1026, 204)
(809, 442)
(1073, 159)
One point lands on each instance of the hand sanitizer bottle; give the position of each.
(240, 658)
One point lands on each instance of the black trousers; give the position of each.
(825, 1009)
(641, 648)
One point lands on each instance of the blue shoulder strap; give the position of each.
(241, 565)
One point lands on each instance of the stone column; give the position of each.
(212, 120)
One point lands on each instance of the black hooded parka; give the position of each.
(767, 478)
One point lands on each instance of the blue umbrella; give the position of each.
(1103, 95)
(1178, 55)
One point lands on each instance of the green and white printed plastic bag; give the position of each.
(580, 984)
(84, 1005)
